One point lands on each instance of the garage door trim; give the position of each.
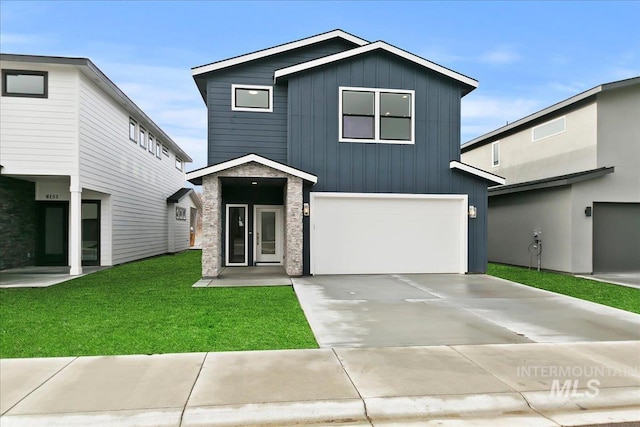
(463, 214)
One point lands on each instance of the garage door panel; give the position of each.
(361, 234)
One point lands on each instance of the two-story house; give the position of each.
(573, 174)
(335, 155)
(87, 178)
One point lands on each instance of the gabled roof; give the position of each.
(89, 69)
(182, 193)
(379, 45)
(195, 71)
(487, 176)
(567, 103)
(554, 181)
(194, 176)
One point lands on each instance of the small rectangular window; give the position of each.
(376, 115)
(178, 163)
(152, 144)
(548, 129)
(165, 150)
(143, 137)
(133, 130)
(251, 98)
(29, 84)
(495, 154)
(158, 149)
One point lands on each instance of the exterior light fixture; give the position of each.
(587, 211)
(254, 182)
(305, 209)
(473, 212)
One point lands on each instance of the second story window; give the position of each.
(178, 163)
(251, 98)
(152, 144)
(133, 130)
(165, 150)
(29, 84)
(376, 115)
(548, 129)
(158, 149)
(143, 137)
(495, 154)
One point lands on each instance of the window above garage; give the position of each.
(376, 115)
(251, 98)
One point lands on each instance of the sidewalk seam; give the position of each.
(43, 383)
(184, 408)
(514, 390)
(364, 403)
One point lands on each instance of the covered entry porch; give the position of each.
(252, 215)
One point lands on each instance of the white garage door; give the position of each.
(354, 233)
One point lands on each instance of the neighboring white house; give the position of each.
(573, 173)
(87, 176)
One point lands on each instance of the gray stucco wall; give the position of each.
(513, 218)
(235, 133)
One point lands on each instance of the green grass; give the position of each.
(603, 293)
(148, 307)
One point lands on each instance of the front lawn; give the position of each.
(603, 293)
(148, 307)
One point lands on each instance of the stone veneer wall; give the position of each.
(17, 223)
(212, 217)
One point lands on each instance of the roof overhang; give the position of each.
(196, 71)
(91, 71)
(379, 45)
(195, 177)
(182, 193)
(566, 104)
(555, 181)
(454, 164)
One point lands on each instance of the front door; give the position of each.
(90, 232)
(236, 235)
(268, 234)
(53, 233)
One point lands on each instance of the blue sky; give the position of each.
(526, 55)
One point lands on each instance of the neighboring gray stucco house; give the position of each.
(334, 155)
(573, 171)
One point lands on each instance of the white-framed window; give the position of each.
(178, 163)
(165, 150)
(133, 130)
(152, 144)
(548, 129)
(252, 98)
(376, 115)
(143, 137)
(158, 149)
(495, 154)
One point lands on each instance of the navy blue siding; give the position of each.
(385, 168)
(235, 133)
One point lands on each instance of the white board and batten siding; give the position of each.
(136, 179)
(356, 233)
(39, 135)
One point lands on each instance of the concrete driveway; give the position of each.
(444, 309)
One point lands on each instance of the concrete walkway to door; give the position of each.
(263, 275)
(449, 309)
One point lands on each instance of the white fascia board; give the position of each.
(252, 158)
(454, 164)
(277, 49)
(368, 48)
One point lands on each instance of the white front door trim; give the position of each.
(462, 211)
(246, 235)
(277, 258)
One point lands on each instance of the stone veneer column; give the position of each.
(293, 227)
(211, 226)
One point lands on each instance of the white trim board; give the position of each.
(195, 71)
(368, 48)
(252, 158)
(454, 164)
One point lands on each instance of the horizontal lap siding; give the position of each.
(138, 182)
(365, 167)
(39, 135)
(235, 133)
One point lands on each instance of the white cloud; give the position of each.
(9, 40)
(500, 56)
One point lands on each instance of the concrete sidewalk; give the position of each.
(507, 384)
